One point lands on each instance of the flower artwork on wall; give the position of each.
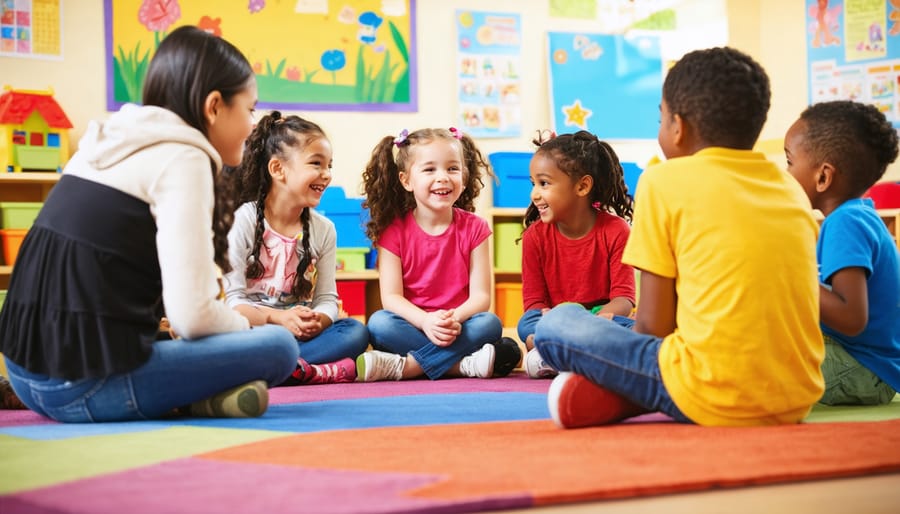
(353, 55)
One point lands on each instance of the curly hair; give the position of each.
(856, 138)
(223, 215)
(274, 136)
(386, 198)
(723, 93)
(580, 154)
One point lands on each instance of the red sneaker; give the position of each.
(576, 402)
(337, 372)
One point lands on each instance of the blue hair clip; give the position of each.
(401, 139)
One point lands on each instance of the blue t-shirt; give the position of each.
(854, 236)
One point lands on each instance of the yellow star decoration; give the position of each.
(577, 115)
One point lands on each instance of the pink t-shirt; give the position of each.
(435, 268)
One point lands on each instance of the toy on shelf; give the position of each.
(34, 131)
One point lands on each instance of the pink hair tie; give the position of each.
(401, 139)
(455, 132)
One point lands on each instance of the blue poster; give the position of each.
(853, 53)
(610, 85)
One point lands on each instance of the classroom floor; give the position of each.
(877, 494)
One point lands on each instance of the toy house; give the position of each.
(34, 131)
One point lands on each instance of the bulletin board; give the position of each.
(607, 84)
(353, 55)
(853, 53)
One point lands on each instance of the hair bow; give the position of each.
(401, 139)
(455, 132)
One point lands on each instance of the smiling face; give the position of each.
(229, 124)
(555, 194)
(435, 175)
(307, 172)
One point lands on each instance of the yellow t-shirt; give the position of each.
(738, 236)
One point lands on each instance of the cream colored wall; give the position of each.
(766, 29)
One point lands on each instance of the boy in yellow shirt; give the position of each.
(726, 332)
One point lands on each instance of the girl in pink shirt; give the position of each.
(433, 260)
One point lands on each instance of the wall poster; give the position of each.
(853, 53)
(31, 28)
(488, 64)
(352, 55)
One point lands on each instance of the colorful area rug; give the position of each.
(447, 446)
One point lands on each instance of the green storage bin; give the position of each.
(351, 259)
(19, 214)
(2, 297)
(507, 253)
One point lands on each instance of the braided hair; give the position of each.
(580, 154)
(386, 198)
(275, 136)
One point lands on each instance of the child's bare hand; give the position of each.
(440, 327)
(289, 319)
(310, 322)
(607, 315)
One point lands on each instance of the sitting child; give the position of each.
(837, 150)
(718, 233)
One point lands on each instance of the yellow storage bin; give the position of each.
(507, 253)
(18, 214)
(508, 303)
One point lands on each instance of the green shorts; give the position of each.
(847, 382)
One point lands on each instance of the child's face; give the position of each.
(435, 175)
(308, 172)
(228, 125)
(553, 192)
(800, 163)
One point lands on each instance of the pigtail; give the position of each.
(386, 199)
(610, 172)
(476, 168)
(254, 183)
(223, 215)
(302, 287)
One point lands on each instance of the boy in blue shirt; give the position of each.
(838, 150)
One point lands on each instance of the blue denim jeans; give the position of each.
(178, 373)
(530, 319)
(345, 338)
(392, 333)
(570, 338)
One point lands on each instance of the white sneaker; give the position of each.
(536, 367)
(480, 364)
(375, 365)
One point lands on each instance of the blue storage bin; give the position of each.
(348, 216)
(632, 172)
(511, 168)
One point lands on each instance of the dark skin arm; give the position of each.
(845, 307)
(656, 312)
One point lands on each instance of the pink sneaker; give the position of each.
(338, 372)
(576, 402)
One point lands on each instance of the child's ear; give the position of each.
(825, 177)
(679, 127)
(404, 181)
(211, 107)
(584, 185)
(276, 170)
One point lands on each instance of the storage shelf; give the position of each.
(369, 274)
(30, 177)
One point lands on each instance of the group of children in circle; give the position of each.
(578, 266)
